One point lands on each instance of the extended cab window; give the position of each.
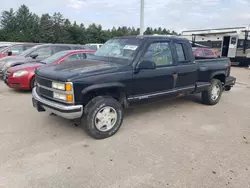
(180, 52)
(160, 53)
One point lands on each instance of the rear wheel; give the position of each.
(213, 94)
(103, 117)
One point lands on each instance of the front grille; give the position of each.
(44, 92)
(44, 89)
(43, 82)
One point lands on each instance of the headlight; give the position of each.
(20, 73)
(57, 85)
(62, 86)
(63, 97)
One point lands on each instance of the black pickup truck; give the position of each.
(123, 72)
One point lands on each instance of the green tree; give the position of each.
(58, 21)
(46, 33)
(26, 26)
(9, 25)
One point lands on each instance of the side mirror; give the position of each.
(33, 56)
(9, 53)
(146, 64)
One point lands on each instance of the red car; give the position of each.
(200, 53)
(23, 76)
(15, 49)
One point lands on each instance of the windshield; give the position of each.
(26, 52)
(2, 48)
(55, 57)
(119, 48)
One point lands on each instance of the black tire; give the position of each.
(94, 107)
(32, 83)
(228, 88)
(207, 97)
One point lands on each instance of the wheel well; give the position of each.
(220, 77)
(31, 79)
(115, 92)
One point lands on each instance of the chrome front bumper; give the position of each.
(68, 112)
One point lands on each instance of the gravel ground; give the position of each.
(179, 143)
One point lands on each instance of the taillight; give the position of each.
(229, 63)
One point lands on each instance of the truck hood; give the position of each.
(70, 70)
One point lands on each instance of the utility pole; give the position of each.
(142, 18)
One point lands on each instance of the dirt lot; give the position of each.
(179, 143)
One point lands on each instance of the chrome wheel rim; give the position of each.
(215, 92)
(105, 118)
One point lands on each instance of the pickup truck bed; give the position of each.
(125, 71)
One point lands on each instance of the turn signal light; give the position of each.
(69, 98)
(68, 87)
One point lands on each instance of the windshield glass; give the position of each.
(55, 57)
(119, 48)
(26, 52)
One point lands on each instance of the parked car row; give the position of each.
(15, 49)
(23, 76)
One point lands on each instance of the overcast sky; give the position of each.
(172, 14)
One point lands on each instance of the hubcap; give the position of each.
(105, 118)
(215, 92)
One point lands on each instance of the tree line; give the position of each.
(24, 26)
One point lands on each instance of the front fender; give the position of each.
(103, 86)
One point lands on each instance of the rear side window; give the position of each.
(28, 47)
(180, 52)
(60, 48)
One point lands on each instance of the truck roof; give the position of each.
(154, 37)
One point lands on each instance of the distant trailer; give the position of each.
(229, 42)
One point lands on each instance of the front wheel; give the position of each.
(103, 117)
(213, 94)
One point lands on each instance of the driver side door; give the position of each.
(151, 83)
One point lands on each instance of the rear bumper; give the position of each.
(230, 81)
(68, 112)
